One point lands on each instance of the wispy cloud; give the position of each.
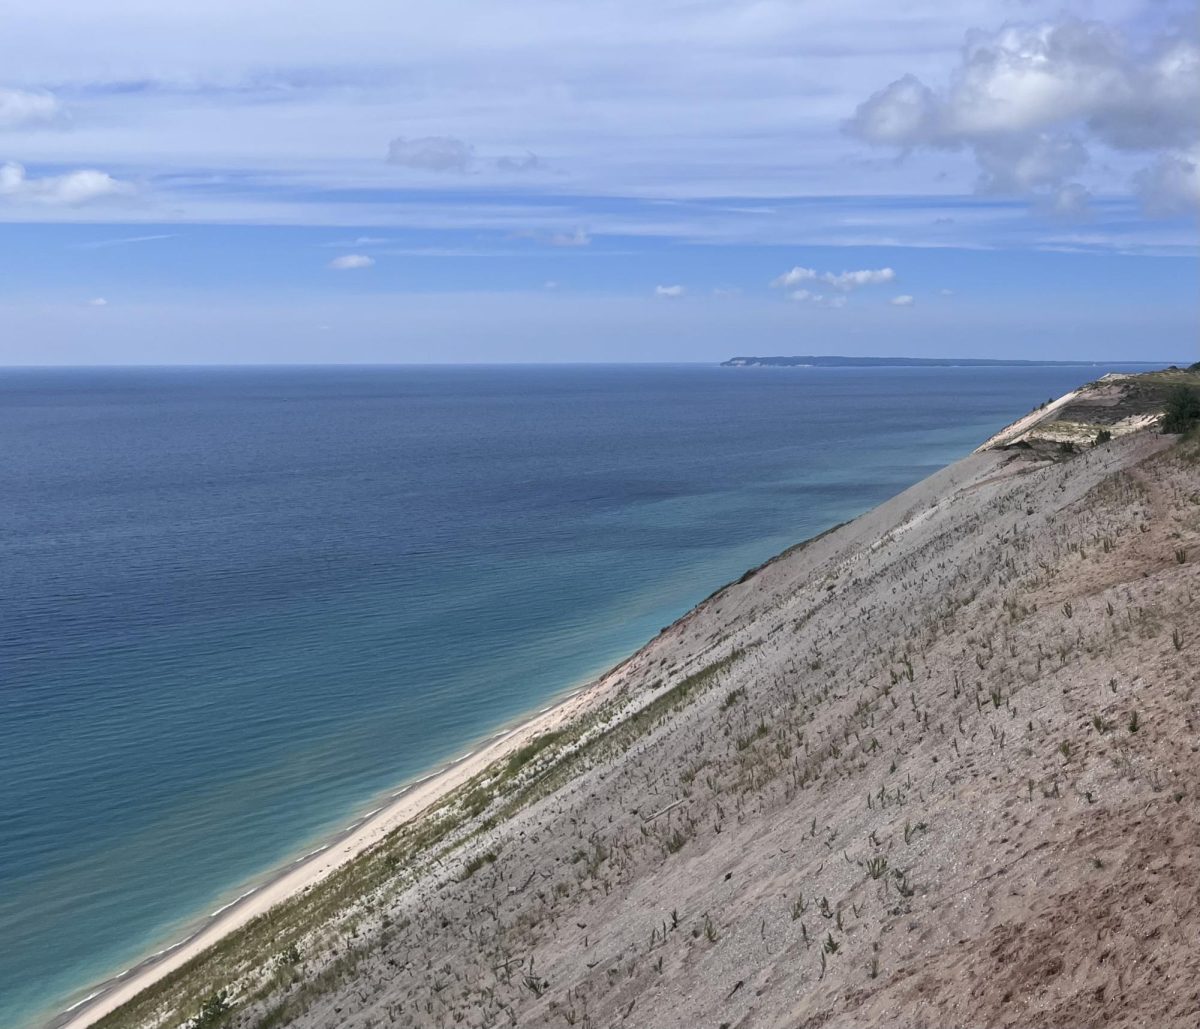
(431, 153)
(670, 291)
(578, 238)
(350, 262)
(359, 241)
(441, 154)
(101, 244)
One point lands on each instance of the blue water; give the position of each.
(237, 604)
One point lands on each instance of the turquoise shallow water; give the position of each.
(239, 603)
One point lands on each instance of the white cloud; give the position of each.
(903, 300)
(578, 238)
(97, 302)
(844, 281)
(1070, 202)
(669, 291)
(1171, 185)
(847, 281)
(102, 244)
(348, 262)
(70, 189)
(1029, 100)
(1028, 164)
(359, 241)
(20, 108)
(796, 275)
(431, 153)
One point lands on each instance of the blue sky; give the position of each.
(604, 180)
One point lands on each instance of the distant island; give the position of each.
(830, 361)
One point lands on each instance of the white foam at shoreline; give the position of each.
(79, 1003)
(232, 902)
(167, 963)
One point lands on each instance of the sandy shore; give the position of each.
(407, 803)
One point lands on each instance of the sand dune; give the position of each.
(934, 768)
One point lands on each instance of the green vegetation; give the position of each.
(212, 1011)
(477, 862)
(1102, 437)
(531, 750)
(1182, 410)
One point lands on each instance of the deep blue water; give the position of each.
(237, 604)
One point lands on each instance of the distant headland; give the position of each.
(832, 361)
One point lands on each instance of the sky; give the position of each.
(597, 180)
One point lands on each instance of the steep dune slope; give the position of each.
(935, 768)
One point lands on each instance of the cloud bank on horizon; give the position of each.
(470, 135)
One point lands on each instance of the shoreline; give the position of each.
(403, 804)
(396, 806)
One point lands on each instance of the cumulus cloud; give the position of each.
(847, 281)
(20, 108)
(1171, 185)
(1069, 202)
(669, 291)
(348, 262)
(70, 189)
(903, 300)
(97, 302)
(1030, 100)
(844, 281)
(795, 276)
